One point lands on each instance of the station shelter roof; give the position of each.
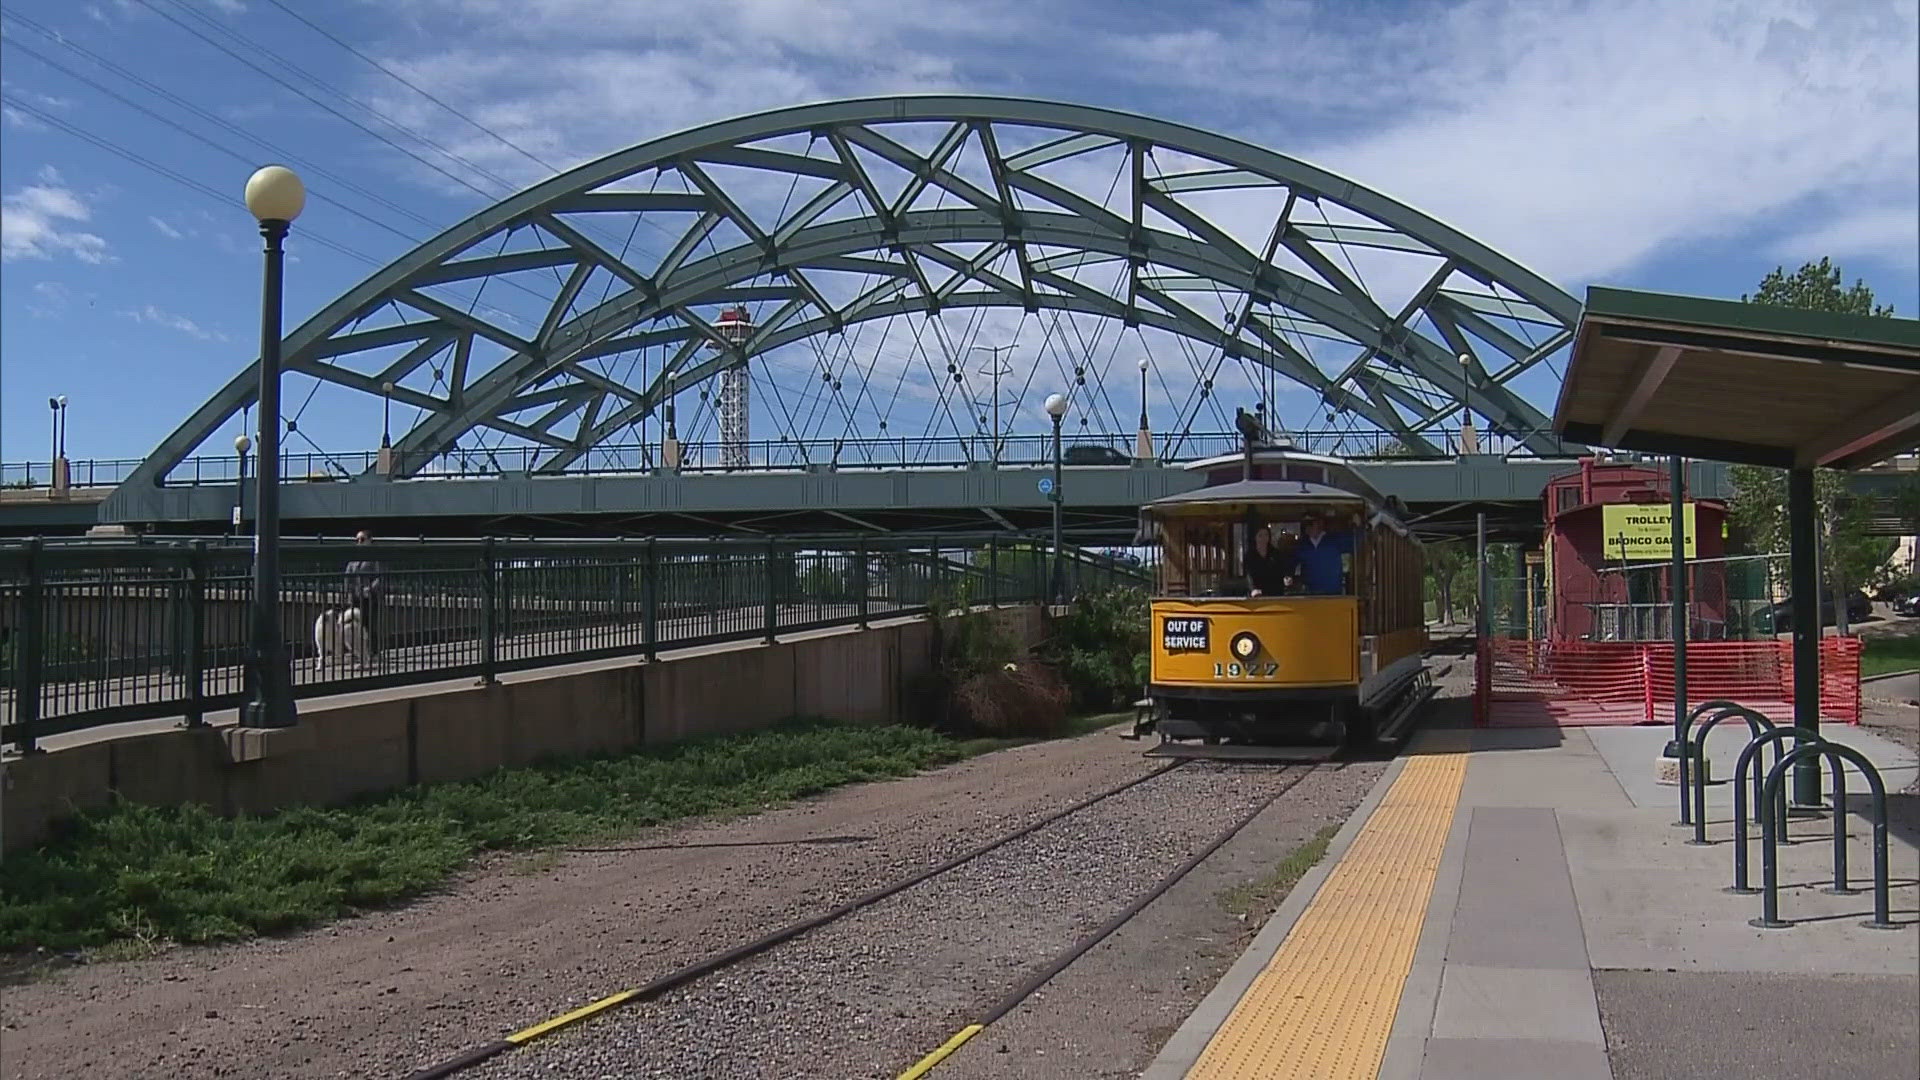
(1746, 383)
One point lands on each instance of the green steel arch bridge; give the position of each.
(777, 323)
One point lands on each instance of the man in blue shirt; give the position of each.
(1318, 557)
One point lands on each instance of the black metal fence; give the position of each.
(103, 632)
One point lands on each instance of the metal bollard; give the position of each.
(1680, 746)
(1756, 723)
(1769, 833)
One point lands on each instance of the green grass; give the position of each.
(126, 880)
(1880, 655)
(1259, 895)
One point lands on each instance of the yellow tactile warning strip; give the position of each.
(1324, 1005)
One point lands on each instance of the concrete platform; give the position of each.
(1572, 930)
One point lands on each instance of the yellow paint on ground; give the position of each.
(927, 1063)
(581, 1013)
(1324, 1005)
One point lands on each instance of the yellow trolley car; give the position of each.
(1332, 647)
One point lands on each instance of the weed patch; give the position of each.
(1259, 895)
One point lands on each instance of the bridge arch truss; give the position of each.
(829, 217)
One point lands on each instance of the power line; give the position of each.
(190, 133)
(212, 118)
(462, 181)
(509, 143)
(183, 180)
(327, 88)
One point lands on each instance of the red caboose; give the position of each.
(1609, 556)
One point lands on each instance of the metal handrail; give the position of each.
(102, 633)
(771, 455)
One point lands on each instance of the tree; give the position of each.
(1448, 563)
(1759, 503)
(1816, 287)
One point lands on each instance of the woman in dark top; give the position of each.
(1266, 568)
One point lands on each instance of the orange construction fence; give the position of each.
(1522, 683)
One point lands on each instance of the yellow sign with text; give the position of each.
(1636, 532)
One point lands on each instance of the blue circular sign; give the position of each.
(1046, 485)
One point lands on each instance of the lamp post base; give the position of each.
(271, 703)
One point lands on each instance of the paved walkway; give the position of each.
(1520, 904)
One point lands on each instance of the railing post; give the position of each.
(196, 634)
(32, 653)
(650, 599)
(489, 616)
(936, 574)
(772, 552)
(993, 571)
(861, 586)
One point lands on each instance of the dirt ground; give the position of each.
(527, 938)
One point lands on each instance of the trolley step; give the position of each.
(1397, 722)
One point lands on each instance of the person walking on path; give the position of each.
(366, 587)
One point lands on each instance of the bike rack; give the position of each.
(1683, 749)
(1756, 726)
(1750, 755)
(1769, 833)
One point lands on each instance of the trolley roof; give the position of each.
(1282, 476)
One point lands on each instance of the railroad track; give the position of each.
(1292, 776)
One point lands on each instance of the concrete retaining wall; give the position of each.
(365, 744)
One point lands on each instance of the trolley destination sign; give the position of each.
(1184, 634)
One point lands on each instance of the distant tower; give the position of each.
(736, 326)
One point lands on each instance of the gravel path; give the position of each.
(867, 996)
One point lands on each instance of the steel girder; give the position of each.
(1013, 210)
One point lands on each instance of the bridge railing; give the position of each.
(103, 633)
(777, 455)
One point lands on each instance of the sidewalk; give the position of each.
(1570, 930)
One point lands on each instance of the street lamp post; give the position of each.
(57, 475)
(275, 197)
(1057, 410)
(386, 430)
(241, 444)
(1143, 446)
(1468, 444)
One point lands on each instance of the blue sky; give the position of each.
(1675, 146)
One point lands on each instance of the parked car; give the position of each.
(1907, 605)
(1776, 618)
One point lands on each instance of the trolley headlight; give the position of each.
(1245, 646)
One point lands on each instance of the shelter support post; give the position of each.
(1805, 594)
(1679, 590)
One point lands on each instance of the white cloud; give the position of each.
(166, 230)
(1582, 137)
(154, 316)
(36, 223)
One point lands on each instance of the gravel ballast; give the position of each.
(867, 996)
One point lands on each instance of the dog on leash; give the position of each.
(340, 633)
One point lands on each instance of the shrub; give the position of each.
(1100, 647)
(1016, 700)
